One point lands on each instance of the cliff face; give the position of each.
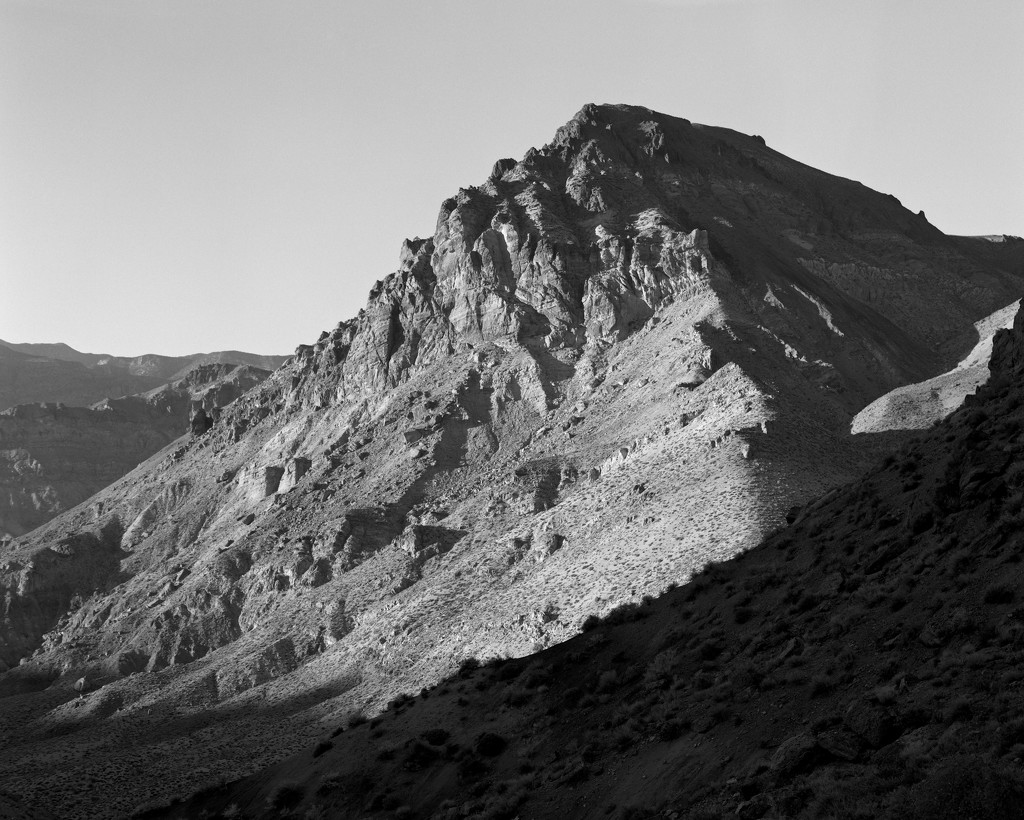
(53, 457)
(628, 354)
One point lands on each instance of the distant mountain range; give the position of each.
(32, 373)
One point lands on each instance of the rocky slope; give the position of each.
(53, 457)
(863, 663)
(920, 405)
(35, 373)
(627, 355)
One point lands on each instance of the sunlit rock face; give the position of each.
(628, 354)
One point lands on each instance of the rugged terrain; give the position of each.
(627, 355)
(53, 457)
(865, 662)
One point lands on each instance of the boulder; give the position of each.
(199, 421)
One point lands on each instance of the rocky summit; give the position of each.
(633, 352)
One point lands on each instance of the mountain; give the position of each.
(53, 457)
(623, 357)
(861, 663)
(34, 373)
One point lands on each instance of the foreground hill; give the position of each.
(53, 457)
(863, 663)
(35, 373)
(627, 355)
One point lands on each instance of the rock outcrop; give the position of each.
(627, 355)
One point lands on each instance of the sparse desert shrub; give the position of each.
(419, 755)
(321, 747)
(436, 736)
(285, 797)
(884, 695)
(999, 593)
(886, 521)
(468, 667)
(922, 522)
(489, 744)
(590, 623)
(535, 676)
(400, 701)
(518, 696)
(710, 649)
(607, 680)
(746, 674)
(703, 680)
(1010, 734)
(958, 709)
(660, 671)
(572, 696)
(626, 613)
(670, 730)
(508, 671)
(625, 736)
(820, 685)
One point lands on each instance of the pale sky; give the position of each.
(180, 176)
